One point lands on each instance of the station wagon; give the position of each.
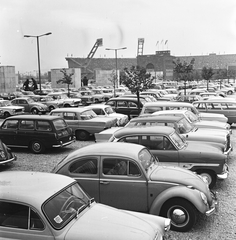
(36, 132)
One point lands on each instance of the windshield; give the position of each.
(88, 114)
(109, 110)
(65, 205)
(191, 117)
(146, 159)
(178, 140)
(59, 124)
(184, 126)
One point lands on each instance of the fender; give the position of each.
(192, 195)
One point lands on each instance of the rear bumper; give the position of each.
(9, 160)
(64, 144)
(224, 174)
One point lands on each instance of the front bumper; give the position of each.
(214, 207)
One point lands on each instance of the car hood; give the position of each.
(213, 116)
(117, 115)
(206, 135)
(177, 175)
(210, 124)
(193, 150)
(105, 135)
(104, 222)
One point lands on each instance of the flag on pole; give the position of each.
(166, 42)
(162, 41)
(157, 43)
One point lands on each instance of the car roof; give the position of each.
(30, 187)
(137, 130)
(167, 103)
(124, 98)
(71, 109)
(33, 117)
(156, 118)
(108, 148)
(174, 111)
(217, 100)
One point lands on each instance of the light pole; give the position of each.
(116, 49)
(37, 37)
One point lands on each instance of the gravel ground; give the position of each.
(220, 226)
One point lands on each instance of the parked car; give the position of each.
(7, 96)
(86, 96)
(98, 95)
(193, 119)
(103, 110)
(67, 102)
(36, 132)
(186, 129)
(156, 95)
(10, 110)
(127, 106)
(151, 107)
(83, 121)
(36, 205)
(226, 106)
(30, 106)
(205, 158)
(6, 155)
(128, 176)
(49, 101)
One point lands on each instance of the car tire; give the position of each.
(183, 222)
(7, 114)
(37, 147)
(51, 108)
(82, 135)
(67, 105)
(210, 177)
(84, 103)
(34, 111)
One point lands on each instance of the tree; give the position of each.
(207, 74)
(67, 79)
(136, 79)
(113, 80)
(183, 71)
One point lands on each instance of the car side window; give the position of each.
(60, 114)
(26, 124)
(84, 166)
(14, 215)
(22, 101)
(111, 103)
(35, 221)
(131, 139)
(43, 126)
(115, 167)
(98, 111)
(122, 104)
(10, 124)
(70, 116)
(132, 105)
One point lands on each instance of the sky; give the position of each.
(185, 27)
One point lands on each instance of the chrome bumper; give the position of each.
(8, 160)
(64, 144)
(214, 206)
(224, 174)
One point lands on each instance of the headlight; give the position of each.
(40, 108)
(204, 198)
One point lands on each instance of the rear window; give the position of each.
(59, 124)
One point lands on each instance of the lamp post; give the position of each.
(37, 37)
(116, 49)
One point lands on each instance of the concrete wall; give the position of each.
(102, 77)
(7, 79)
(56, 74)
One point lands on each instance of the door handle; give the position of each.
(104, 182)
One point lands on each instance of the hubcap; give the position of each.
(178, 216)
(37, 146)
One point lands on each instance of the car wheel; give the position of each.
(82, 135)
(84, 103)
(51, 108)
(7, 114)
(67, 105)
(230, 92)
(34, 111)
(209, 176)
(37, 147)
(182, 213)
(96, 100)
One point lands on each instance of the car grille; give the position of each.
(18, 110)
